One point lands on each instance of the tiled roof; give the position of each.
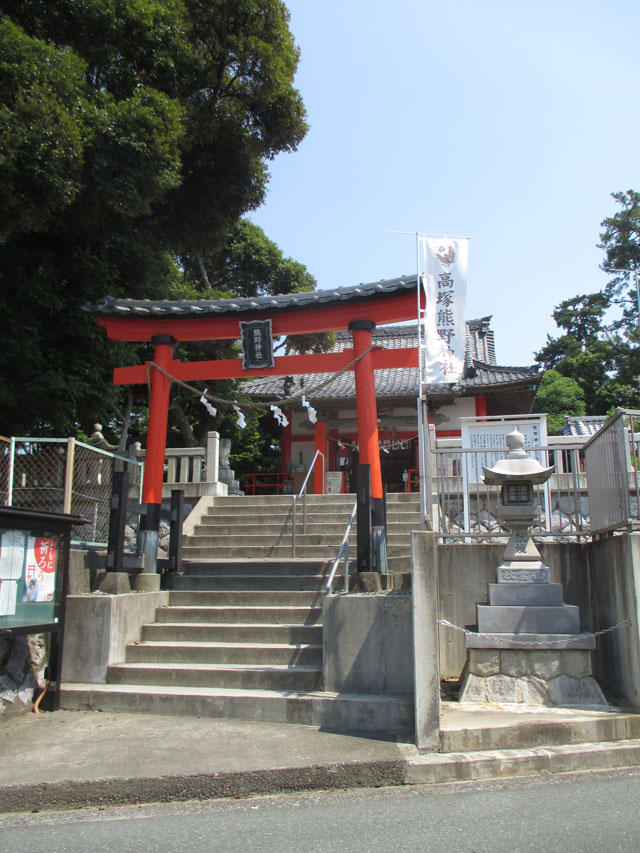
(583, 425)
(206, 307)
(397, 382)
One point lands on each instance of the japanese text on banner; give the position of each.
(444, 334)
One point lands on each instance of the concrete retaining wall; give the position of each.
(464, 571)
(98, 628)
(368, 644)
(615, 578)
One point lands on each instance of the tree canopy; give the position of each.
(133, 137)
(600, 356)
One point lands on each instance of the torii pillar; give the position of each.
(148, 579)
(367, 413)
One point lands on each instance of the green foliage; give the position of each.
(603, 359)
(131, 134)
(558, 396)
(621, 242)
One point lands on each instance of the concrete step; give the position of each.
(236, 598)
(342, 497)
(345, 712)
(210, 525)
(277, 552)
(255, 535)
(231, 632)
(288, 615)
(258, 540)
(256, 567)
(277, 515)
(196, 554)
(505, 763)
(282, 504)
(257, 654)
(474, 729)
(303, 677)
(230, 583)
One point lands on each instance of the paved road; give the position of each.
(572, 813)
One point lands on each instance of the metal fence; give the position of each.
(612, 461)
(65, 475)
(5, 456)
(465, 508)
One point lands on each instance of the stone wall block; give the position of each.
(546, 664)
(576, 663)
(515, 663)
(484, 662)
(533, 691)
(591, 693)
(502, 689)
(474, 690)
(564, 690)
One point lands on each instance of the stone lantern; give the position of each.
(518, 473)
(528, 647)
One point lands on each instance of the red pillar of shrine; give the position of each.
(285, 445)
(156, 448)
(481, 406)
(366, 409)
(320, 441)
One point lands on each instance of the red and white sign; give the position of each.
(40, 570)
(444, 333)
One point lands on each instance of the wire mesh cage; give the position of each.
(5, 467)
(64, 475)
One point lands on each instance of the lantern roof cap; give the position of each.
(517, 465)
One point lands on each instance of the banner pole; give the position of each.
(424, 479)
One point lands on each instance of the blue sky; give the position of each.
(511, 122)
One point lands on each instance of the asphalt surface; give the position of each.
(585, 813)
(78, 759)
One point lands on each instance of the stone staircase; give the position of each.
(241, 636)
(259, 528)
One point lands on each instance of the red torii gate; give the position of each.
(166, 323)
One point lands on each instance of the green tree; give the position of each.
(602, 357)
(621, 242)
(558, 396)
(248, 264)
(132, 134)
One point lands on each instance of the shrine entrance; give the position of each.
(166, 323)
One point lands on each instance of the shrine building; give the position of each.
(486, 389)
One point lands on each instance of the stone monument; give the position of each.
(225, 473)
(529, 647)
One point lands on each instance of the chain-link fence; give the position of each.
(5, 455)
(65, 475)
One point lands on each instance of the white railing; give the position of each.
(464, 507)
(612, 457)
(194, 470)
(319, 456)
(343, 553)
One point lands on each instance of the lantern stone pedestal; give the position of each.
(528, 648)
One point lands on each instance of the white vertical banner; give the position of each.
(444, 261)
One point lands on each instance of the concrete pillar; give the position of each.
(212, 457)
(424, 584)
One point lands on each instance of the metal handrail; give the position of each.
(303, 494)
(344, 546)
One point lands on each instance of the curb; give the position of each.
(170, 789)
